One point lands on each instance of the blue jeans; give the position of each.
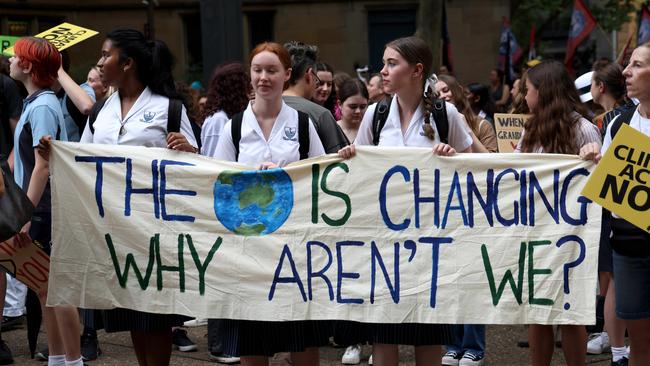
(468, 339)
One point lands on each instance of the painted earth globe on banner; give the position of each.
(253, 203)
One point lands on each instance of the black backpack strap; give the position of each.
(440, 118)
(174, 112)
(379, 119)
(303, 135)
(92, 117)
(624, 117)
(235, 131)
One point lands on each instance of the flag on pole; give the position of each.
(447, 59)
(582, 23)
(532, 52)
(509, 50)
(624, 57)
(644, 26)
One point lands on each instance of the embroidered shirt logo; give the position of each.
(290, 133)
(147, 117)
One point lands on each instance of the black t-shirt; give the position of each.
(11, 105)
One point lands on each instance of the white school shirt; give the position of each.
(145, 123)
(637, 122)
(210, 132)
(391, 134)
(281, 147)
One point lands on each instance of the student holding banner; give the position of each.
(608, 91)
(265, 141)
(483, 136)
(141, 71)
(35, 65)
(555, 128)
(630, 244)
(407, 63)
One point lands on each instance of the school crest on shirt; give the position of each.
(147, 117)
(290, 133)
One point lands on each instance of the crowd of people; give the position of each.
(240, 118)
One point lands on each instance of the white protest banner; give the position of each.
(392, 235)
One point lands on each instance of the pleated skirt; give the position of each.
(262, 338)
(414, 334)
(121, 320)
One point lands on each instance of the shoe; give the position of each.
(451, 358)
(43, 354)
(352, 355)
(222, 358)
(622, 362)
(598, 343)
(89, 347)
(5, 354)
(181, 342)
(198, 322)
(11, 322)
(370, 360)
(470, 359)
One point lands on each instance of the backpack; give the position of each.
(624, 117)
(439, 116)
(303, 133)
(174, 112)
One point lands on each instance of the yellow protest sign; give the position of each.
(621, 182)
(509, 127)
(63, 36)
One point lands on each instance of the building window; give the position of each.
(194, 50)
(260, 26)
(385, 26)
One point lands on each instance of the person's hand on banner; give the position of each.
(22, 239)
(267, 166)
(591, 152)
(443, 150)
(176, 141)
(44, 147)
(347, 152)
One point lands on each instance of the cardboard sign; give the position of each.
(391, 235)
(7, 42)
(621, 182)
(63, 36)
(509, 127)
(30, 265)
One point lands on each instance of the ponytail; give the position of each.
(428, 100)
(162, 61)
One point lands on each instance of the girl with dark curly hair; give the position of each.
(227, 95)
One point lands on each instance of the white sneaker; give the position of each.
(198, 322)
(370, 360)
(223, 358)
(352, 355)
(451, 358)
(598, 343)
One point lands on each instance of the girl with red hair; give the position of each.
(35, 65)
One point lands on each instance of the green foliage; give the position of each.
(613, 14)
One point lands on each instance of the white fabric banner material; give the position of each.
(392, 235)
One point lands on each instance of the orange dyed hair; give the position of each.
(43, 56)
(276, 48)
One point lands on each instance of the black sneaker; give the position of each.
(90, 347)
(11, 322)
(622, 362)
(181, 342)
(223, 358)
(5, 354)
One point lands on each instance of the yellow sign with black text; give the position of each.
(63, 36)
(621, 182)
(509, 127)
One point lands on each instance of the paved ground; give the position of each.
(501, 350)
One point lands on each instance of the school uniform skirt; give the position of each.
(262, 338)
(120, 320)
(414, 334)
